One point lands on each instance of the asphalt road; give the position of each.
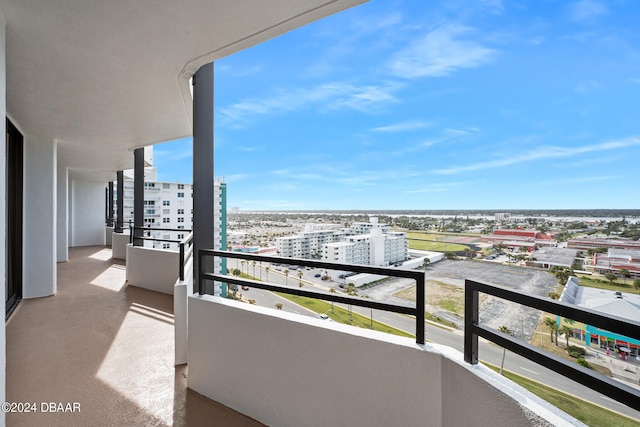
(488, 352)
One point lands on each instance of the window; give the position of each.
(149, 221)
(165, 220)
(150, 185)
(181, 236)
(166, 186)
(166, 236)
(180, 227)
(149, 202)
(165, 202)
(165, 246)
(166, 211)
(180, 211)
(149, 211)
(180, 194)
(180, 186)
(180, 219)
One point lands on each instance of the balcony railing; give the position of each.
(418, 276)
(473, 329)
(185, 244)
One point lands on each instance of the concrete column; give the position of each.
(138, 195)
(110, 204)
(203, 196)
(87, 213)
(63, 215)
(120, 201)
(40, 217)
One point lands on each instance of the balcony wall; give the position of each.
(154, 269)
(287, 370)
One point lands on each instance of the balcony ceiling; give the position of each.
(105, 77)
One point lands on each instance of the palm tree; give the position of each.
(624, 273)
(286, 276)
(567, 331)
(266, 271)
(300, 278)
(636, 284)
(552, 325)
(242, 262)
(504, 330)
(254, 269)
(425, 263)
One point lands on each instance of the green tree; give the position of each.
(553, 295)
(610, 277)
(350, 289)
(425, 263)
(450, 255)
(286, 276)
(266, 271)
(300, 278)
(624, 273)
(636, 284)
(504, 330)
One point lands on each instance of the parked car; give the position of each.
(317, 275)
(245, 288)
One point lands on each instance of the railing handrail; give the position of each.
(418, 311)
(473, 329)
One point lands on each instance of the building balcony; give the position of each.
(108, 347)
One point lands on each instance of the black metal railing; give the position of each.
(185, 245)
(418, 276)
(473, 329)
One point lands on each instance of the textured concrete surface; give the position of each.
(102, 353)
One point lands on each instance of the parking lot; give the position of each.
(494, 312)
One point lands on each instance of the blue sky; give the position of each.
(413, 104)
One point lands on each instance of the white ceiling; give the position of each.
(105, 76)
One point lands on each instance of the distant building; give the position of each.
(619, 304)
(369, 243)
(516, 238)
(615, 260)
(585, 244)
(503, 216)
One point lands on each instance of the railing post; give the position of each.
(420, 296)
(181, 268)
(471, 319)
(130, 233)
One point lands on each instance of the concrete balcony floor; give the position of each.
(106, 346)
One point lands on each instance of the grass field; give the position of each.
(602, 283)
(588, 413)
(341, 315)
(432, 242)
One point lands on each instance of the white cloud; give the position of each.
(402, 127)
(540, 154)
(440, 53)
(335, 95)
(587, 10)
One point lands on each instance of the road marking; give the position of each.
(529, 370)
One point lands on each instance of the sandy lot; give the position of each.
(445, 293)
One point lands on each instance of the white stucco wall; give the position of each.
(87, 213)
(180, 319)
(40, 217)
(108, 236)
(3, 206)
(119, 242)
(288, 370)
(62, 226)
(154, 269)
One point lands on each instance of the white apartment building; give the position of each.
(369, 243)
(169, 205)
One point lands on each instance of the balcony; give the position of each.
(107, 346)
